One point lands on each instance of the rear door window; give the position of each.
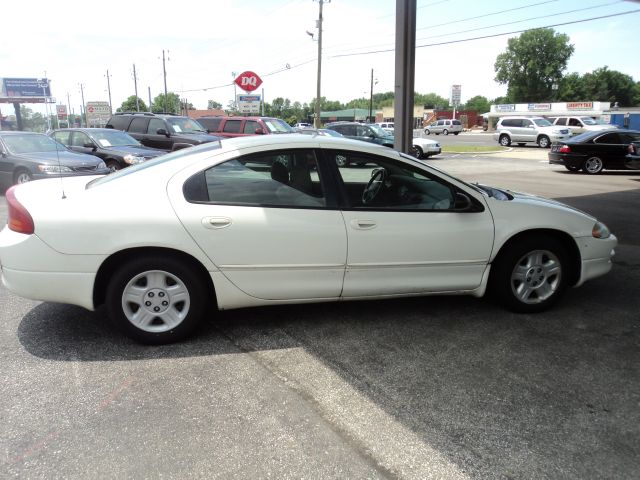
(154, 125)
(139, 125)
(232, 126)
(609, 138)
(561, 121)
(64, 137)
(250, 127)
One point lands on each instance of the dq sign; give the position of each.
(248, 81)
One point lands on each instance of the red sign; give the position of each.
(90, 109)
(248, 81)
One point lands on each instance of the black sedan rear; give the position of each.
(593, 152)
(118, 149)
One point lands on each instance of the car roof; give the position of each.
(19, 132)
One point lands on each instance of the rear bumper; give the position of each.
(570, 160)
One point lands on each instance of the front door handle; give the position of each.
(363, 224)
(216, 222)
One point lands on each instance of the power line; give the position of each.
(492, 36)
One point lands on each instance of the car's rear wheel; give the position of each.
(427, 131)
(113, 166)
(504, 140)
(156, 300)
(22, 176)
(530, 274)
(572, 168)
(593, 165)
(445, 132)
(456, 133)
(543, 141)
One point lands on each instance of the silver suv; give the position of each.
(522, 130)
(444, 127)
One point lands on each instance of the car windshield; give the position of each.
(542, 122)
(31, 143)
(169, 157)
(331, 133)
(275, 125)
(113, 138)
(185, 125)
(379, 131)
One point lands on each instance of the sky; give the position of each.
(205, 42)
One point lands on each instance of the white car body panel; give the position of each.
(303, 255)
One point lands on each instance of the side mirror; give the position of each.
(90, 145)
(162, 131)
(259, 131)
(463, 202)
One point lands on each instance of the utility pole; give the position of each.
(405, 74)
(316, 123)
(69, 111)
(149, 88)
(371, 97)
(135, 86)
(235, 93)
(164, 72)
(82, 107)
(109, 90)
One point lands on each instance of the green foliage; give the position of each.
(431, 100)
(533, 62)
(571, 89)
(478, 103)
(609, 86)
(129, 105)
(32, 122)
(212, 105)
(171, 105)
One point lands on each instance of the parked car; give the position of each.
(444, 127)
(117, 149)
(302, 125)
(229, 127)
(367, 132)
(578, 124)
(425, 147)
(388, 126)
(26, 156)
(179, 236)
(320, 131)
(523, 130)
(163, 131)
(593, 152)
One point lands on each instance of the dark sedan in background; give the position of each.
(26, 156)
(593, 152)
(118, 149)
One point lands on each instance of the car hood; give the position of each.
(135, 150)
(63, 157)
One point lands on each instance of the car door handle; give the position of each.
(363, 224)
(216, 222)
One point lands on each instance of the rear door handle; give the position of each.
(363, 224)
(216, 222)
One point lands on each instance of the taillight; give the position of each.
(19, 218)
(565, 149)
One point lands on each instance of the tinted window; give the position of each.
(381, 183)
(278, 178)
(440, 122)
(613, 138)
(456, 122)
(250, 127)
(232, 126)
(154, 125)
(119, 122)
(63, 137)
(210, 123)
(574, 122)
(139, 125)
(629, 137)
(511, 122)
(561, 121)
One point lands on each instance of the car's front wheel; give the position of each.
(22, 176)
(113, 166)
(504, 140)
(416, 151)
(427, 131)
(445, 132)
(543, 141)
(156, 300)
(530, 274)
(593, 165)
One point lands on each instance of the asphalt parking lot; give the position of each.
(438, 387)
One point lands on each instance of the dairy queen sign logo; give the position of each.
(248, 81)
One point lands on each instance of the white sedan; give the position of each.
(274, 219)
(425, 147)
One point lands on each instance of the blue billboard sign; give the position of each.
(26, 87)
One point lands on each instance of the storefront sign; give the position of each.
(537, 107)
(579, 105)
(506, 108)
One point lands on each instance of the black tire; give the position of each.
(22, 176)
(445, 132)
(416, 151)
(544, 142)
(427, 131)
(504, 140)
(113, 165)
(530, 274)
(456, 133)
(165, 294)
(593, 165)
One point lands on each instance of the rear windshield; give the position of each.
(169, 157)
(275, 125)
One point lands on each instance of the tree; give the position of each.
(431, 100)
(172, 104)
(533, 62)
(213, 105)
(478, 103)
(129, 105)
(571, 88)
(609, 86)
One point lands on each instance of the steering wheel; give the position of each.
(374, 186)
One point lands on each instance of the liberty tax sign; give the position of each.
(248, 81)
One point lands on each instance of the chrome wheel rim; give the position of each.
(593, 165)
(544, 142)
(23, 177)
(155, 301)
(504, 141)
(536, 277)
